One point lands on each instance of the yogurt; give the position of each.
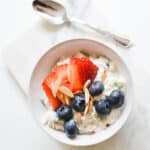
(91, 123)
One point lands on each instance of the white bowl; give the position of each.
(44, 66)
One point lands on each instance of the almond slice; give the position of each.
(77, 92)
(67, 100)
(55, 86)
(86, 109)
(44, 103)
(80, 55)
(78, 117)
(93, 99)
(104, 75)
(87, 95)
(66, 91)
(90, 107)
(61, 97)
(53, 89)
(86, 84)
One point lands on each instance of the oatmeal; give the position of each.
(83, 95)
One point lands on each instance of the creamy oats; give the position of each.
(90, 122)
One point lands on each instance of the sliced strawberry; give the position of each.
(79, 71)
(55, 103)
(58, 71)
(66, 83)
(61, 71)
(51, 78)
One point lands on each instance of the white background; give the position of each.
(17, 130)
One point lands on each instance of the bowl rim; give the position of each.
(116, 128)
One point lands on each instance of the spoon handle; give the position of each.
(122, 41)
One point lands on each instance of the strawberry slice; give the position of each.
(61, 71)
(58, 72)
(66, 83)
(50, 79)
(55, 103)
(79, 71)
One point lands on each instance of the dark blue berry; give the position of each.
(116, 98)
(96, 88)
(71, 128)
(64, 112)
(102, 107)
(107, 64)
(78, 102)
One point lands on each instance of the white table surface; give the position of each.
(17, 129)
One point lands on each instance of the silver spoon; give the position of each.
(56, 14)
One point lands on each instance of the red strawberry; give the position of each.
(66, 83)
(79, 71)
(61, 71)
(55, 103)
(58, 71)
(51, 78)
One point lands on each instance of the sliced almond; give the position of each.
(43, 102)
(93, 99)
(66, 91)
(77, 92)
(104, 75)
(86, 131)
(55, 86)
(90, 107)
(87, 95)
(78, 117)
(53, 89)
(61, 97)
(79, 55)
(86, 109)
(87, 83)
(67, 100)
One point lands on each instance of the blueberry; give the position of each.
(78, 102)
(116, 98)
(64, 112)
(71, 128)
(108, 65)
(96, 88)
(102, 107)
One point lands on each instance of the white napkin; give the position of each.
(22, 55)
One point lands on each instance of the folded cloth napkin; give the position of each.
(22, 55)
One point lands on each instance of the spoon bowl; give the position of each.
(54, 12)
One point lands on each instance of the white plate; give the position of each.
(44, 66)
